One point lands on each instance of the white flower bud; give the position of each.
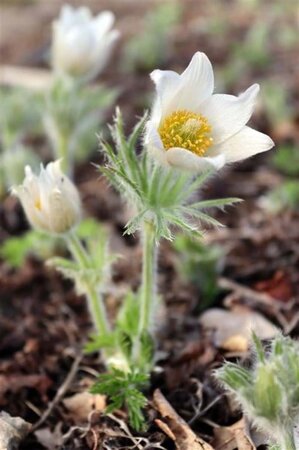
(82, 44)
(50, 200)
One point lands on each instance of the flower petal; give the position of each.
(103, 22)
(184, 159)
(228, 114)
(246, 143)
(154, 144)
(197, 83)
(167, 83)
(185, 91)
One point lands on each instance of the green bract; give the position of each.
(160, 195)
(269, 392)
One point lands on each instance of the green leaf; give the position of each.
(15, 250)
(69, 269)
(258, 346)
(192, 212)
(123, 390)
(128, 315)
(234, 376)
(217, 203)
(160, 195)
(147, 350)
(97, 342)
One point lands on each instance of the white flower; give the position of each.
(50, 200)
(192, 128)
(82, 44)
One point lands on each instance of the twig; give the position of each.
(124, 427)
(60, 393)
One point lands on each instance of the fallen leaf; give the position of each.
(233, 328)
(13, 383)
(279, 286)
(12, 431)
(81, 405)
(238, 436)
(235, 436)
(175, 427)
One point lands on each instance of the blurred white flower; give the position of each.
(50, 200)
(192, 128)
(81, 43)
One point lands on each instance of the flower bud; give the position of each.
(267, 396)
(82, 44)
(50, 200)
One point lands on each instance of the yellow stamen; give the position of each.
(38, 204)
(187, 130)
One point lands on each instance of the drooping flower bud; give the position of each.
(50, 200)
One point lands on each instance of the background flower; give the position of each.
(50, 200)
(82, 44)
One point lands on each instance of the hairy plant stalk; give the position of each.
(94, 298)
(148, 287)
(288, 442)
(62, 151)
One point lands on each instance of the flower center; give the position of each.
(38, 204)
(187, 130)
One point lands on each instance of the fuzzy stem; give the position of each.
(62, 151)
(287, 441)
(95, 301)
(148, 287)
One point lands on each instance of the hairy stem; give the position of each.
(287, 441)
(94, 298)
(148, 287)
(62, 151)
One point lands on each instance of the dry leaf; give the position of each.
(279, 286)
(233, 328)
(12, 431)
(235, 436)
(176, 428)
(14, 383)
(82, 404)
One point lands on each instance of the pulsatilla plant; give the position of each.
(269, 392)
(189, 135)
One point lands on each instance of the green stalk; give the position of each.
(95, 301)
(288, 442)
(62, 151)
(148, 287)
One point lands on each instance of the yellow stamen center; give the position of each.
(187, 130)
(38, 204)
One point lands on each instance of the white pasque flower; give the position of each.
(81, 43)
(192, 128)
(50, 200)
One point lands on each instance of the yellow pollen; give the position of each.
(187, 130)
(38, 204)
